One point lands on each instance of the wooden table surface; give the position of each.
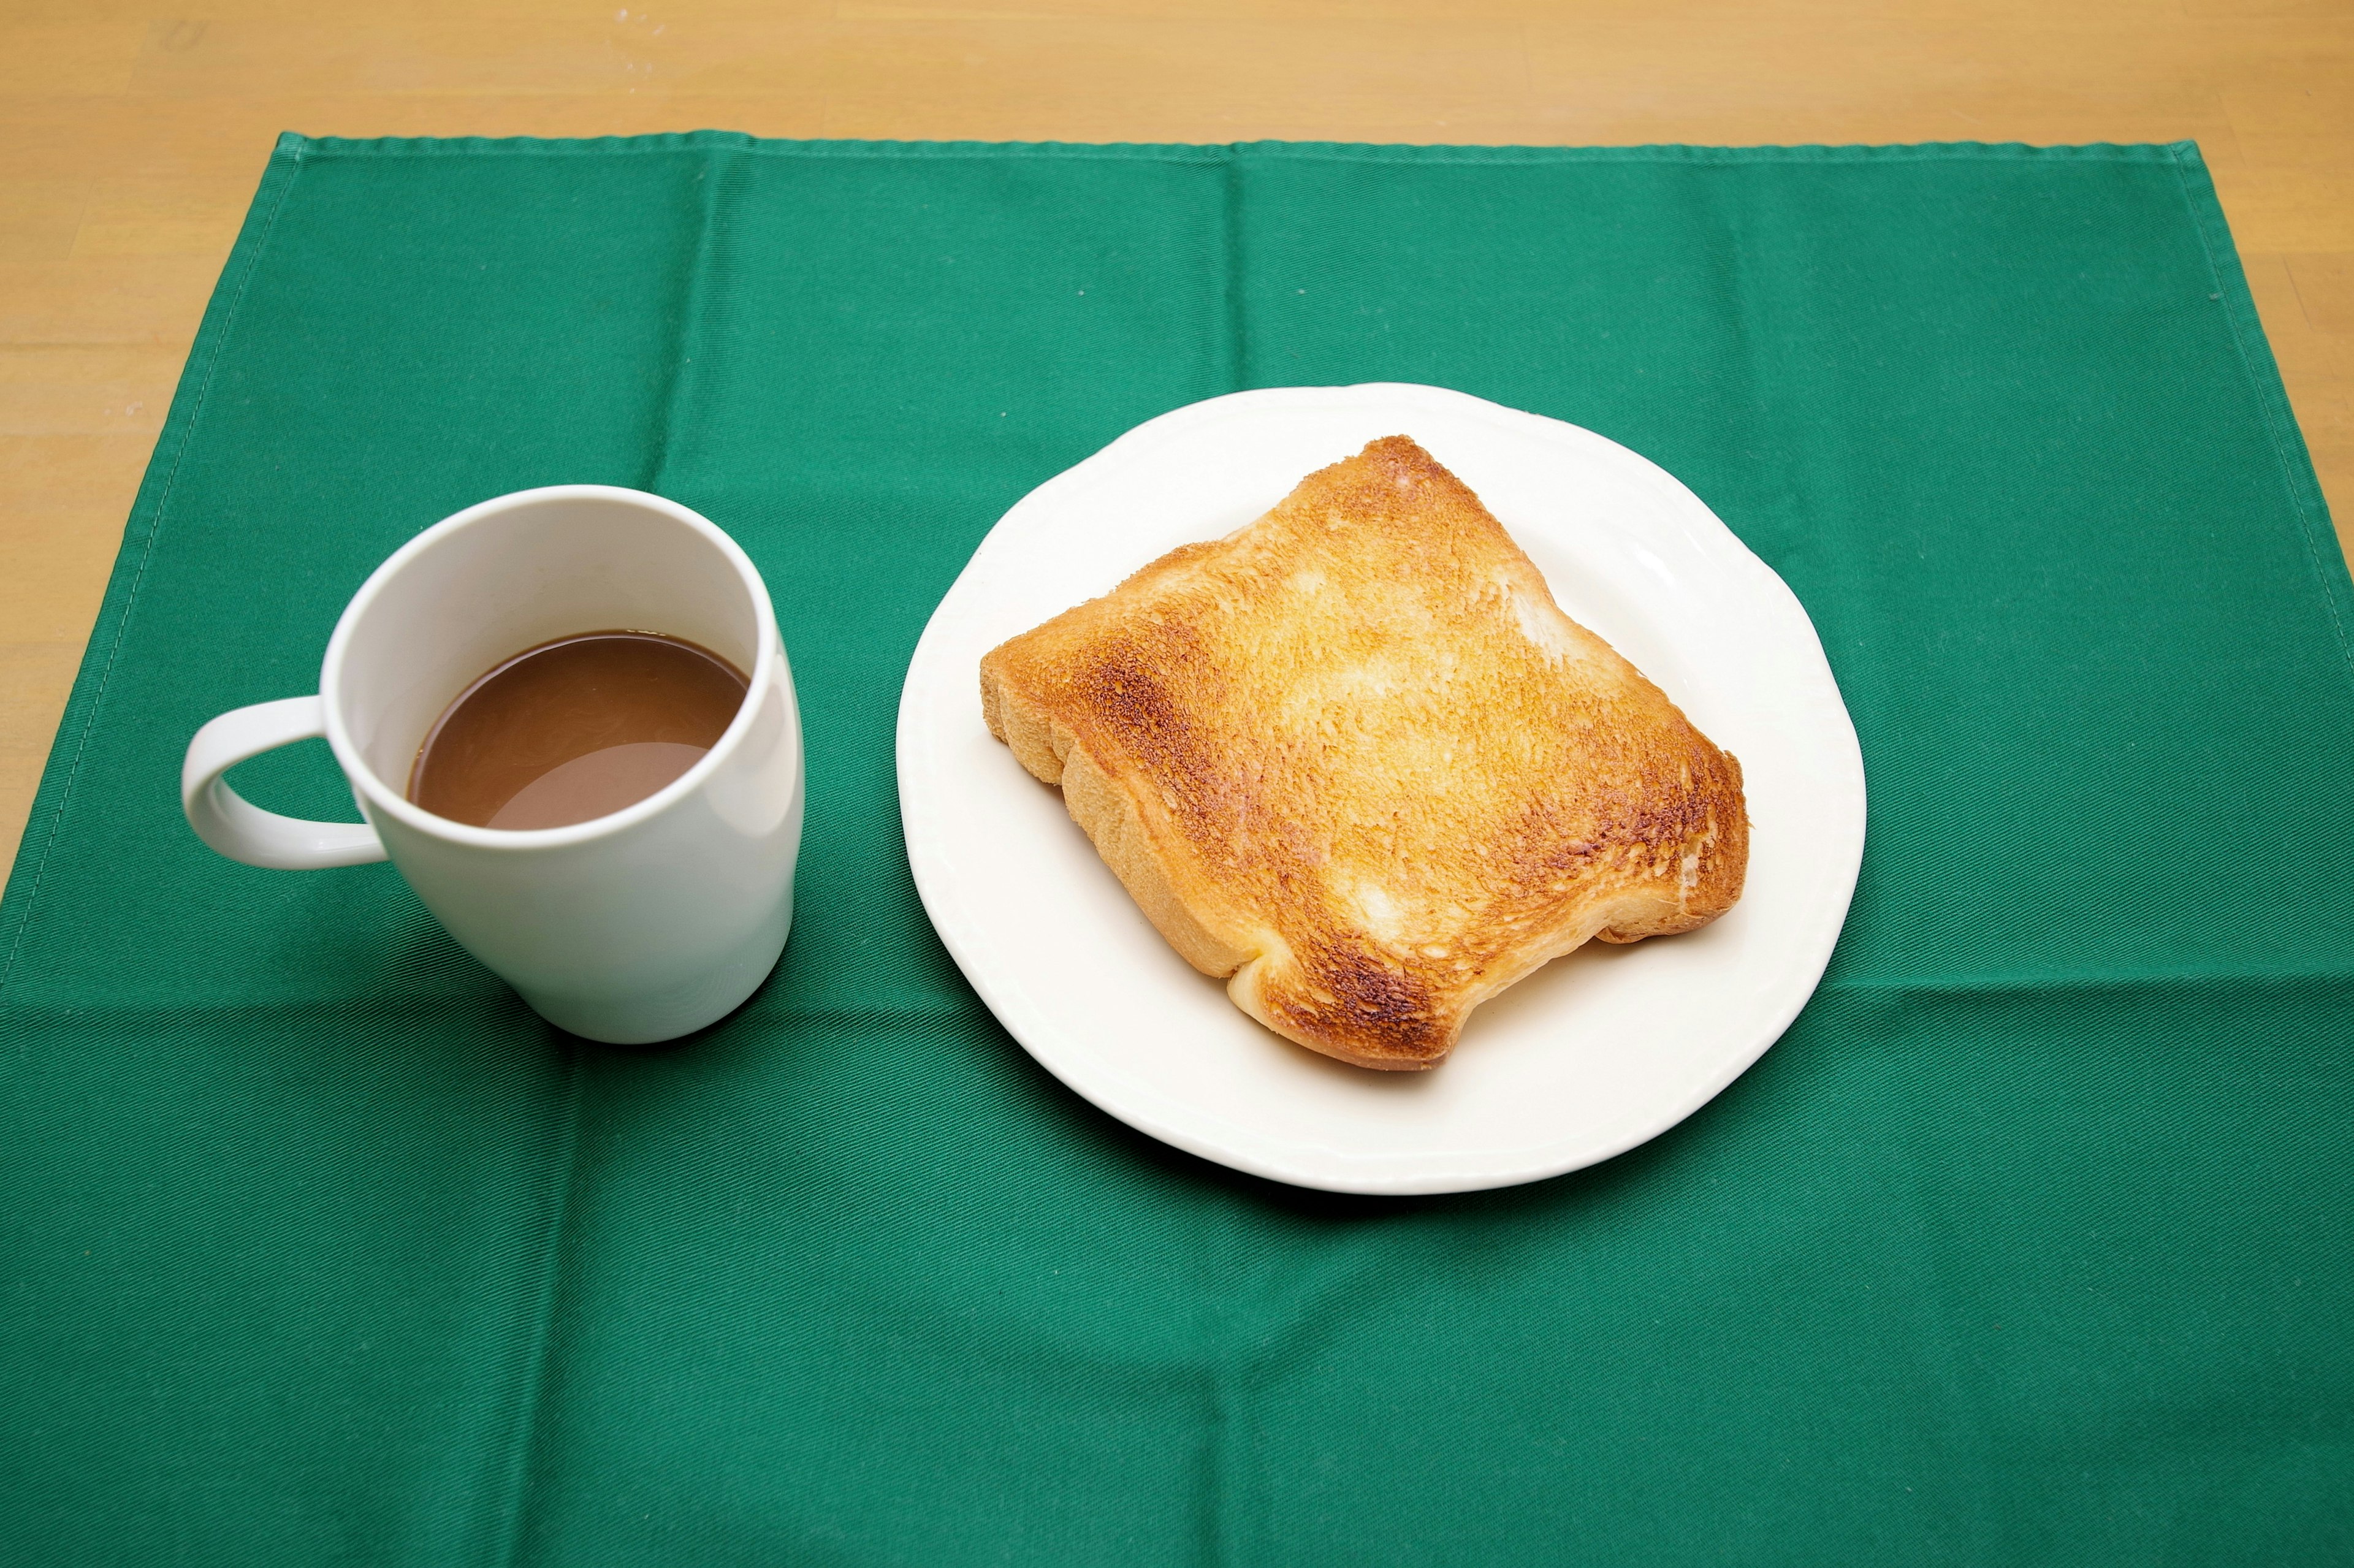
(133, 138)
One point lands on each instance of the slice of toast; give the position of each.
(1353, 757)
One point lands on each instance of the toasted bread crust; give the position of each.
(1353, 758)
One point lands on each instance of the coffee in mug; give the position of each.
(574, 729)
(614, 651)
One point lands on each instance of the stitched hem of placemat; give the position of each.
(1214, 152)
(2294, 461)
(56, 791)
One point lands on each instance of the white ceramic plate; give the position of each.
(1584, 1059)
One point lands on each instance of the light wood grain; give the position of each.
(131, 139)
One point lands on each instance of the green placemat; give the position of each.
(2027, 1244)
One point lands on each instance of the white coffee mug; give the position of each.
(631, 927)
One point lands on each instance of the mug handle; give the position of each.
(236, 827)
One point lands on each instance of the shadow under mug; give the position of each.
(632, 927)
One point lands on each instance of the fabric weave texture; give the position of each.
(2027, 1244)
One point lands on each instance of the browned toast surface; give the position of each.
(1353, 757)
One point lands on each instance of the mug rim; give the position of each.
(377, 796)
